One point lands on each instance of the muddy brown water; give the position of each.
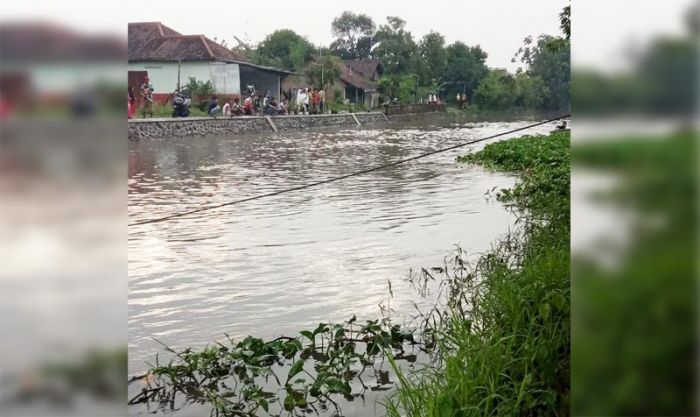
(281, 264)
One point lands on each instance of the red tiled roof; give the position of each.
(157, 42)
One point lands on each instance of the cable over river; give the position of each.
(277, 265)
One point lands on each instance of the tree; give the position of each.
(327, 68)
(530, 92)
(395, 47)
(565, 22)
(433, 58)
(466, 67)
(354, 35)
(524, 54)
(283, 48)
(496, 91)
(553, 66)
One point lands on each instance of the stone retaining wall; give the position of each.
(207, 126)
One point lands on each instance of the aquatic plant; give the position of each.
(287, 374)
(503, 345)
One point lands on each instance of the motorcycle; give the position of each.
(181, 105)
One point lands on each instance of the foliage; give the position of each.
(284, 49)
(553, 66)
(565, 22)
(403, 87)
(354, 33)
(432, 58)
(496, 91)
(300, 373)
(200, 92)
(466, 68)
(327, 67)
(530, 92)
(504, 348)
(395, 47)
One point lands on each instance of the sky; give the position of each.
(601, 29)
(498, 26)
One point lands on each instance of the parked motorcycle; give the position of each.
(181, 105)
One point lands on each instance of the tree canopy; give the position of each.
(283, 48)
(354, 35)
(415, 68)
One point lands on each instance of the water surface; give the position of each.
(281, 264)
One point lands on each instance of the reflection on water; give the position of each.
(285, 263)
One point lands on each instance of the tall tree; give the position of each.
(553, 66)
(395, 48)
(433, 58)
(466, 67)
(354, 34)
(283, 48)
(496, 91)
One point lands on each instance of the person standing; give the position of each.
(301, 97)
(147, 96)
(322, 100)
(131, 104)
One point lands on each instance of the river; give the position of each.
(285, 263)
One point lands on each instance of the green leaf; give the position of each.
(296, 368)
(307, 334)
(559, 301)
(545, 310)
(289, 403)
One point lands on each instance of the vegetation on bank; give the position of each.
(498, 344)
(504, 350)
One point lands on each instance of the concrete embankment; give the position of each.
(208, 126)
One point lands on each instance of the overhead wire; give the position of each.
(342, 177)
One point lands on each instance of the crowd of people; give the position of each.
(306, 101)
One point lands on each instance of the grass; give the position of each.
(506, 350)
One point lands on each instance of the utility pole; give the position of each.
(179, 61)
(320, 54)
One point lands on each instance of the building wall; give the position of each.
(163, 75)
(261, 80)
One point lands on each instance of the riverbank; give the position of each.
(504, 341)
(161, 128)
(164, 128)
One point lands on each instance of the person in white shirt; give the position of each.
(307, 95)
(227, 109)
(301, 99)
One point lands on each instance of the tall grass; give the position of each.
(504, 349)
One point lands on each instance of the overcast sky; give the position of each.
(601, 29)
(499, 26)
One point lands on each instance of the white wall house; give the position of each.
(160, 52)
(225, 77)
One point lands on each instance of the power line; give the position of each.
(342, 177)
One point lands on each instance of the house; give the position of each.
(360, 78)
(170, 59)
